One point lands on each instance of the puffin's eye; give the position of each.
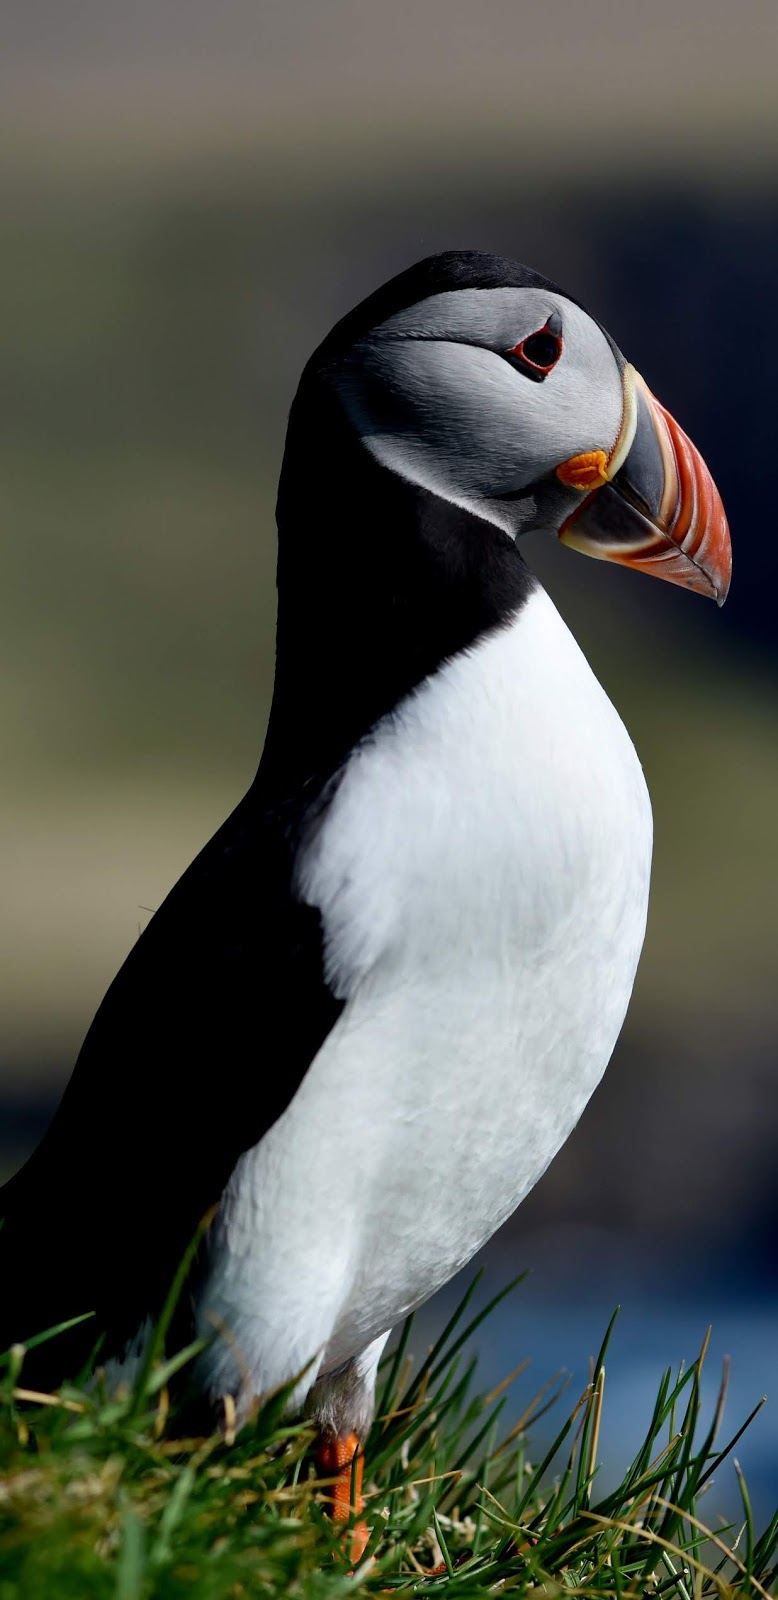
(539, 352)
(542, 349)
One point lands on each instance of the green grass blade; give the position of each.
(43, 1338)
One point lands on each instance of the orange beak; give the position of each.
(656, 507)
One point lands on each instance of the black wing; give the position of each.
(198, 1046)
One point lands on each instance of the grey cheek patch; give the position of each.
(443, 410)
(441, 413)
(495, 319)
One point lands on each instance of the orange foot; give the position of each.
(335, 1459)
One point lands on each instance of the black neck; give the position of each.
(379, 582)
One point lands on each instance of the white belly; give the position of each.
(483, 877)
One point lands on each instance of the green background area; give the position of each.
(188, 201)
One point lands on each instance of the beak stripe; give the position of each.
(692, 523)
(629, 422)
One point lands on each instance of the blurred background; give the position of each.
(191, 194)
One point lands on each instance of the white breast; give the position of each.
(482, 876)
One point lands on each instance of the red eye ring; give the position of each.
(539, 352)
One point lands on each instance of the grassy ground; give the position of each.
(100, 1497)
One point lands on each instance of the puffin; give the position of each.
(366, 1018)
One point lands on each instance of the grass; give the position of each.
(99, 1497)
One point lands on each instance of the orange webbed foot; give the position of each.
(336, 1459)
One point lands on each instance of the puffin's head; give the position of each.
(481, 382)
